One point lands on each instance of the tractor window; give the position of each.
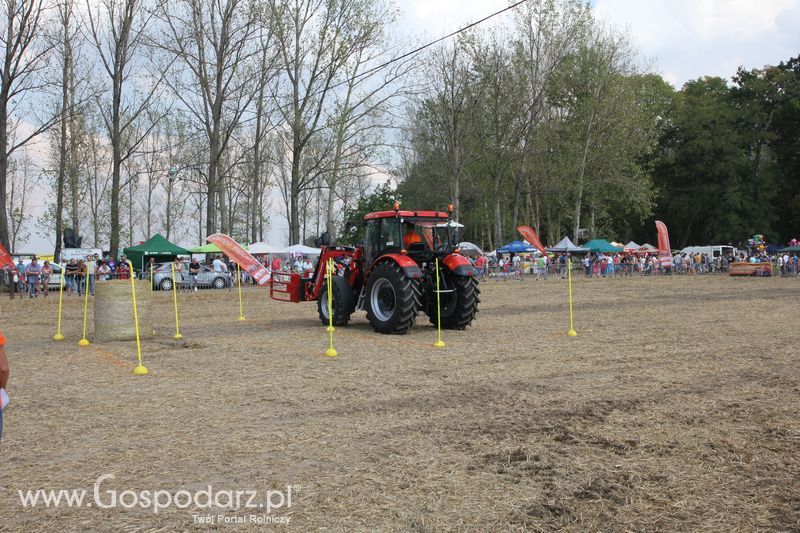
(371, 239)
(390, 234)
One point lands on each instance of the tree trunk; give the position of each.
(581, 175)
(329, 216)
(517, 200)
(294, 215)
(4, 159)
(212, 186)
(498, 217)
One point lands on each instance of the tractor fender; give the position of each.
(458, 265)
(409, 266)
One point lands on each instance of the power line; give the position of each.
(440, 39)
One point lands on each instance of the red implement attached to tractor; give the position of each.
(392, 274)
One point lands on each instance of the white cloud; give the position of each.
(692, 38)
(685, 39)
(437, 18)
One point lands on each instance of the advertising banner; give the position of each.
(529, 235)
(247, 262)
(664, 253)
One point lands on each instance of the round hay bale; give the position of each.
(113, 311)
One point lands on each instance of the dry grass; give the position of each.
(676, 408)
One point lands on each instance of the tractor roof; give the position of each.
(406, 214)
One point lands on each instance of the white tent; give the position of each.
(302, 249)
(565, 246)
(468, 248)
(266, 248)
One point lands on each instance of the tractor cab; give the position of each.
(422, 235)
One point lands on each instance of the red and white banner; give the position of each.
(6, 259)
(529, 235)
(664, 253)
(247, 262)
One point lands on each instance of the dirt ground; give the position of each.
(675, 408)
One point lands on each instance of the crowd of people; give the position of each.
(79, 275)
(594, 265)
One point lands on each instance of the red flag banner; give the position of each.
(664, 253)
(529, 235)
(247, 262)
(6, 259)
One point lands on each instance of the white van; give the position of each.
(714, 251)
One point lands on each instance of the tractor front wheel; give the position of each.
(343, 303)
(393, 300)
(459, 306)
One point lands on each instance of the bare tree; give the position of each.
(22, 181)
(213, 77)
(444, 117)
(96, 181)
(361, 102)
(25, 52)
(66, 38)
(548, 34)
(117, 30)
(260, 179)
(315, 39)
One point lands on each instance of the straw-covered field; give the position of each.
(676, 407)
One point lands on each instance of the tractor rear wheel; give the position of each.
(458, 307)
(393, 300)
(343, 302)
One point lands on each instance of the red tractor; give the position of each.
(392, 275)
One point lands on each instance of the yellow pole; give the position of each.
(151, 276)
(178, 335)
(439, 342)
(140, 369)
(239, 276)
(58, 336)
(84, 341)
(328, 274)
(572, 332)
(331, 351)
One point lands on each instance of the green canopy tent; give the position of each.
(157, 247)
(209, 248)
(791, 249)
(602, 246)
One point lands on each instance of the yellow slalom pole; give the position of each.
(84, 341)
(151, 276)
(572, 332)
(328, 274)
(439, 342)
(58, 336)
(178, 335)
(239, 275)
(331, 351)
(140, 369)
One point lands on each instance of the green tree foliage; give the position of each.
(382, 199)
(728, 160)
(554, 129)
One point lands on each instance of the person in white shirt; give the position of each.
(306, 267)
(219, 265)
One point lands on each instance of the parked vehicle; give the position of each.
(713, 251)
(206, 278)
